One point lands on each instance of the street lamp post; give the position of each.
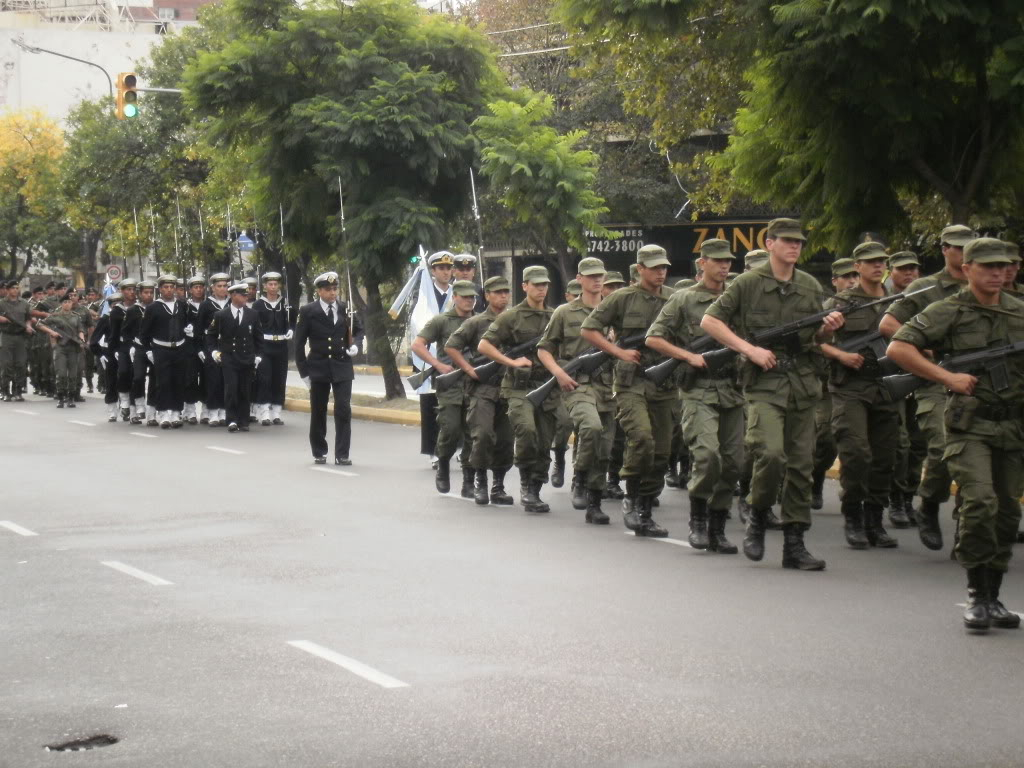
(36, 49)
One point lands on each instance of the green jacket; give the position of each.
(867, 380)
(68, 322)
(17, 312)
(515, 326)
(563, 340)
(437, 330)
(466, 338)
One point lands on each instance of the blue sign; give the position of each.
(245, 243)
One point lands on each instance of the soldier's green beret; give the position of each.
(986, 250)
(163, 279)
(220, 277)
(614, 278)
(869, 251)
(591, 266)
(957, 234)
(785, 228)
(464, 288)
(536, 274)
(716, 249)
(146, 284)
(842, 267)
(497, 283)
(755, 258)
(326, 280)
(653, 256)
(574, 288)
(126, 283)
(267, 276)
(1012, 250)
(903, 259)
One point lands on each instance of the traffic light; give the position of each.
(127, 96)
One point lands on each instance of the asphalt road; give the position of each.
(211, 600)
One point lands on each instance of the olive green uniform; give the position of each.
(533, 428)
(451, 403)
(782, 400)
(66, 354)
(589, 406)
(14, 346)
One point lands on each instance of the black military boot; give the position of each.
(908, 508)
(595, 515)
(1001, 617)
(631, 504)
(480, 488)
(498, 495)
(928, 524)
(648, 527)
(579, 491)
(19, 396)
(613, 490)
(873, 529)
(753, 542)
(468, 478)
(88, 382)
(794, 553)
(853, 527)
(897, 512)
(672, 475)
(698, 523)
(817, 489)
(442, 479)
(532, 500)
(558, 475)
(60, 401)
(716, 533)
(976, 615)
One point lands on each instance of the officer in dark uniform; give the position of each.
(195, 387)
(212, 373)
(163, 340)
(236, 342)
(324, 324)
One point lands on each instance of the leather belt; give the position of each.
(170, 344)
(272, 337)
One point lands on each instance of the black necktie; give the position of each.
(330, 314)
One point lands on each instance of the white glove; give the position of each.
(217, 356)
(188, 330)
(258, 361)
(353, 351)
(202, 356)
(131, 354)
(149, 356)
(305, 380)
(288, 336)
(117, 356)
(103, 363)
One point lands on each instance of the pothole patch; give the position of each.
(81, 745)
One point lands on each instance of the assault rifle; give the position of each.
(659, 372)
(588, 362)
(993, 360)
(63, 334)
(417, 379)
(484, 371)
(787, 331)
(877, 343)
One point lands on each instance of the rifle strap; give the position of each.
(983, 308)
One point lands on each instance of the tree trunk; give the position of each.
(377, 334)
(960, 210)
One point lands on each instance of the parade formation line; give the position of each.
(350, 664)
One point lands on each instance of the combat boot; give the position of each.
(88, 382)
(698, 523)
(60, 401)
(794, 553)
(631, 504)
(595, 515)
(928, 524)
(558, 475)
(468, 477)
(1001, 617)
(648, 527)
(716, 533)
(853, 527)
(873, 529)
(480, 495)
(897, 513)
(529, 493)
(579, 491)
(817, 489)
(442, 478)
(908, 509)
(613, 490)
(19, 396)
(498, 495)
(672, 475)
(753, 542)
(976, 615)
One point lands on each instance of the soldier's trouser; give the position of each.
(647, 424)
(781, 441)
(140, 372)
(825, 450)
(214, 376)
(867, 435)
(618, 451)
(490, 433)
(533, 429)
(595, 431)
(124, 371)
(195, 376)
(46, 364)
(237, 390)
(89, 362)
(989, 473)
(452, 430)
(911, 451)
(66, 360)
(563, 425)
(169, 377)
(272, 375)
(109, 374)
(319, 394)
(714, 436)
(936, 478)
(14, 359)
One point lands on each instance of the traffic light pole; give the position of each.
(36, 49)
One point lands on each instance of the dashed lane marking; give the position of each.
(27, 413)
(141, 434)
(17, 528)
(81, 423)
(232, 451)
(328, 470)
(353, 666)
(149, 578)
(677, 542)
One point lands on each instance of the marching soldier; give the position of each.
(164, 343)
(272, 375)
(751, 259)
(66, 327)
(38, 345)
(120, 343)
(781, 385)
(143, 385)
(88, 323)
(15, 327)
(103, 350)
(1012, 270)
(235, 342)
(563, 422)
(613, 281)
(983, 419)
(213, 374)
(324, 323)
(194, 374)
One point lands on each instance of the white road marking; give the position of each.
(454, 495)
(81, 423)
(328, 470)
(17, 528)
(225, 450)
(149, 578)
(141, 434)
(353, 666)
(677, 542)
(27, 413)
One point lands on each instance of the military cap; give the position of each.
(464, 258)
(250, 281)
(536, 274)
(167, 279)
(869, 251)
(716, 249)
(146, 284)
(238, 288)
(37, 289)
(986, 250)
(196, 280)
(497, 283)
(270, 276)
(1012, 250)
(591, 266)
(440, 258)
(634, 273)
(903, 259)
(755, 258)
(574, 288)
(842, 267)
(957, 234)
(653, 256)
(464, 288)
(180, 282)
(51, 284)
(326, 280)
(220, 277)
(126, 283)
(614, 278)
(785, 228)
(114, 298)
(66, 296)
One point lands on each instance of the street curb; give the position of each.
(375, 370)
(362, 412)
